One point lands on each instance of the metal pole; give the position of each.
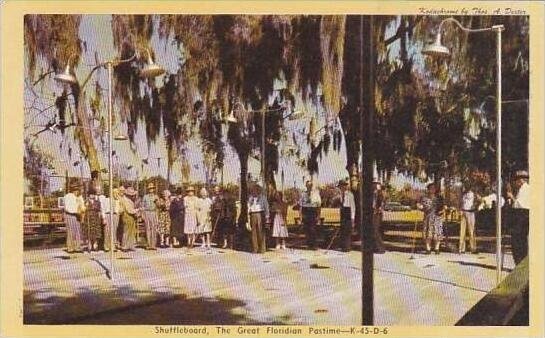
(263, 179)
(41, 188)
(498, 156)
(110, 172)
(366, 169)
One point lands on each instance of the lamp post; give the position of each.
(436, 49)
(151, 70)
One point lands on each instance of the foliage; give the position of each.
(35, 164)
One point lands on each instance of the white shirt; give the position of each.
(73, 204)
(349, 202)
(522, 200)
(468, 200)
(105, 205)
(488, 200)
(312, 200)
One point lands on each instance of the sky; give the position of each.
(96, 31)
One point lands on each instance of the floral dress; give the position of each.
(164, 216)
(433, 222)
(92, 221)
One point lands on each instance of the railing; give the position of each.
(501, 305)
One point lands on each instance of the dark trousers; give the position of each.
(519, 234)
(310, 219)
(377, 225)
(257, 223)
(346, 229)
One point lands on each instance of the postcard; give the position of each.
(272, 168)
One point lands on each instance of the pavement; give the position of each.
(217, 286)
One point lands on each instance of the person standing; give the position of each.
(150, 216)
(74, 207)
(105, 210)
(433, 206)
(280, 230)
(467, 221)
(310, 213)
(93, 218)
(258, 208)
(521, 214)
(128, 216)
(223, 218)
(163, 207)
(204, 221)
(348, 214)
(190, 216)
(176, 212)
(378, 211)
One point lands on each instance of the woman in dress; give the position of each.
(433, 206)
(92, 223)
(163, 207)
(190, 216)
(177, 211)
(280, 210)
(204, 206)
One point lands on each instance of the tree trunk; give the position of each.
(243, 217)
(85, 135)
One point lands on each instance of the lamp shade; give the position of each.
(66, 76)
(151, 70)
(120, 137)
(436, 49)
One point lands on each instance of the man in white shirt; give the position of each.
(258, 209)
(521, 210)
(74, 207)
(348, 214)
(310, 213)
(467, 222)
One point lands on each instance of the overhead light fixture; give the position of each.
(67, 77)
(151, 69)
(436, 49)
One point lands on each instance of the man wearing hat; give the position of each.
(129, 214)
(150, 216)
(521, 210)
(348, 215)
(74, 206)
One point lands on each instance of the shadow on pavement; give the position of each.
(126, 306)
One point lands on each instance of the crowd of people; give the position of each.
(168, 218)
(515, 208)
(185, 218)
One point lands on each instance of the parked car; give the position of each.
(396, 206)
